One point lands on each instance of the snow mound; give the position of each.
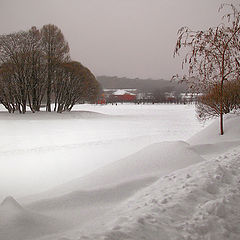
(210, 134)
(198, 202)
(92, 198)
(165, 191)
(51, 116)
(155, 160)
(17, 223)
(10, 203)
(209, 142)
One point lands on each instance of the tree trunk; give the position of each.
(221, 121)
(48, 107)
(221, 108)
(49, 82)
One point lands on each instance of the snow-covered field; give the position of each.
(40, 151)
(119, 172)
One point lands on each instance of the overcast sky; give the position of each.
(132, 38)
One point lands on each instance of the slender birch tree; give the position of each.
(213, 55)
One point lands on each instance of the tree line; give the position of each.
(36, 69)
(213, 64)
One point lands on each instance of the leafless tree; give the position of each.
(37, 70)
(208, 105)
(56, 51)
(6, 89)
(21, 54)
(73, 83)
(212, 55)
(14, 52)
(36, 64)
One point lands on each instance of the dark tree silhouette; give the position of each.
(56, 51)
(74, 83)
(35, 66)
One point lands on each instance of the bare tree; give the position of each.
(15, 53)
(36, 64)
(21, 54)
(6, 89)
(73, 83)
(208, 105)
(56, 51)
(212, 55)
(37, 70)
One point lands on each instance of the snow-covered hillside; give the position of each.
(165, 190)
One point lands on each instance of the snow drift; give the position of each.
(209, 142)
(198, 202)
(19, 223)
(43, 150)
(167, 190)
(153, 161)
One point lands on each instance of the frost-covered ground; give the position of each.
(155, 187)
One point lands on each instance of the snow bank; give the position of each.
(18, 223)
(153, 161)
(43, 150)
(167, 190)
(198, 202)
(210, 142)
(211, 134)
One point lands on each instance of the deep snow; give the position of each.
(40, 151)
(162, 190)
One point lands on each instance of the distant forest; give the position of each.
(145, 85)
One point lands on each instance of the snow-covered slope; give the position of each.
(201, 201)
(198, 202)
(166, 191)
(210, 142)
(210, 135)
(153, 161)
(17, 223)
(43, 150)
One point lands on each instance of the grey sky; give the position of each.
(133, 38)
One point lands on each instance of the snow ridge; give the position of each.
(166, 191)
(10, 203)
(198, 202)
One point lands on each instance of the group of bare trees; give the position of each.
(213, 63)
(36, 68)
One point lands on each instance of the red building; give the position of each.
(101, 99)
(124, 96)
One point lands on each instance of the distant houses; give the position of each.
(118, 95)
(123, 95)
(190, 97)
(137, 96)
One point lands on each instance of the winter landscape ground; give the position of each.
(119, 172)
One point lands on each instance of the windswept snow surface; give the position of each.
(42, 150)
(161, 190)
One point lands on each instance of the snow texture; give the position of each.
(163, 191)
